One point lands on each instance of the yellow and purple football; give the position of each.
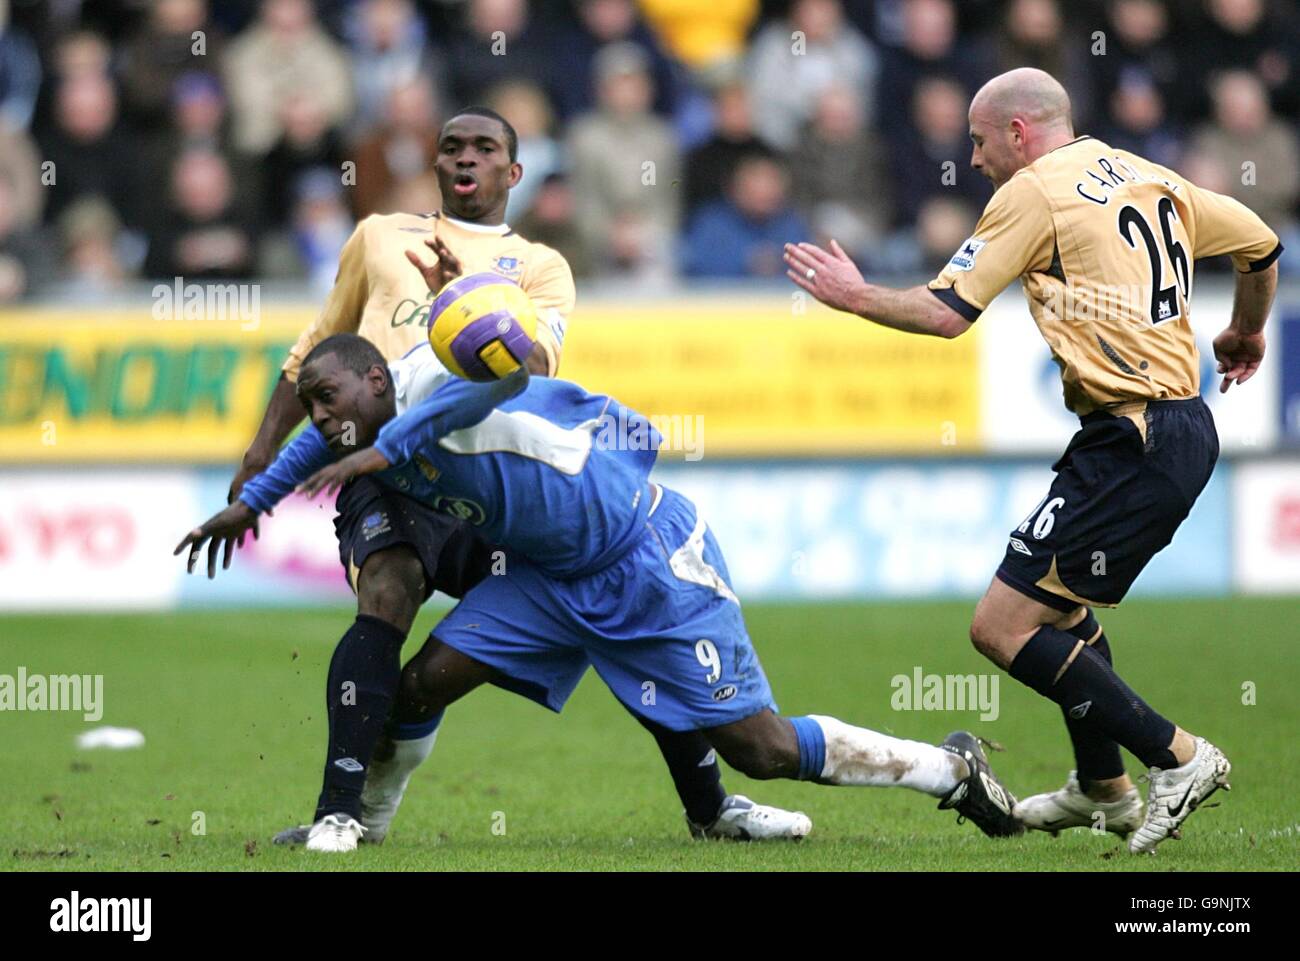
(482, 326)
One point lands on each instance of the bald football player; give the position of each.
(1103, 242)
(397, 553)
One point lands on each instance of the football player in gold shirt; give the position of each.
(1103, 243)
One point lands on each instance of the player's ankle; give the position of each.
(1182, 747)
(1106, 791)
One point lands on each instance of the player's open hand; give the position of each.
(225, 530)
(830, 276)
(445, 268)
(330, 479)
(1239, 356)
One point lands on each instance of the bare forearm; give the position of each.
(915, 310)
(1252, 299)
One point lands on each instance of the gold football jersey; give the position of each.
(1103, 242)
(380, 295)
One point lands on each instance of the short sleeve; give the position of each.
(1222, 225)
(342, 311)
(1014, 236)
(551, 288)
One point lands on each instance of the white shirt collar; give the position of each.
(481, 228)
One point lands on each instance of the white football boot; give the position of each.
(335, 832)
(740, 819)
(1069, 807)
(1176, 792)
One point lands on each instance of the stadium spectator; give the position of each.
(549, 221)
(321, 226)
(500, 40)
(788, 75)
(1033, 34)
(598, 23)
(703, 36)
(1137, 121)
(931, 157)
(285, 53)
(88, 152)
(419, 194)
(841, 188)
(405, 145)
(20, 74)
(307, 141)
(1245, 35)
(709, 166)
(24, 259)
(930, 48)
(391, 50)
(1257, 154)
(176, 38)
(202, 234)
(20, 167)
(743, 235)
(525, 106)
(1138, 43)
(624, 166)
(1261, 151)
(91, 237)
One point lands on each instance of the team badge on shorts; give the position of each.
(964, 258)
(375, 524)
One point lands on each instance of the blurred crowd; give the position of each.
(660, 139)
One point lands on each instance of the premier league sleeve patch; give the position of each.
(964, 258)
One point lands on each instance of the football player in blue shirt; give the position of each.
(603, 567)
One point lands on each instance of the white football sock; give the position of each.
(391, 776)
(861, 757)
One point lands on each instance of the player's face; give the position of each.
(474, 169)
(997, 152)
(347, 408)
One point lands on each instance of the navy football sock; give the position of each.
(1096, 756)
(1056, 665)
(362, 685)
(699, 784)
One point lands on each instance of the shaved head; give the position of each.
(1032, 95)
(1015, 118)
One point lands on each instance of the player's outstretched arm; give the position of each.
(305, 455)
(1240, 348)
(835, 280)
(222, 532)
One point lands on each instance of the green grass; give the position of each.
(230, 703)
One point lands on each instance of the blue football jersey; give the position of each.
(555, 474)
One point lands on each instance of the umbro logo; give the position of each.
(349, 764)
(1019, 545)
(1080, 710)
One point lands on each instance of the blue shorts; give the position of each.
(661, 626)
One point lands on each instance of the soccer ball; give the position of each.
(482, 326)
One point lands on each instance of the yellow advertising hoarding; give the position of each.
(762, 378)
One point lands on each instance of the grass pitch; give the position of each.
(230, 705)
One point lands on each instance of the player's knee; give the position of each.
(986, 637)
(419, 695)
(391, 586)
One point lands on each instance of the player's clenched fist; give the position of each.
(226, 530)
(1239, 356)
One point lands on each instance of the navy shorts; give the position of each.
(372, 517)
(1122, 487)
